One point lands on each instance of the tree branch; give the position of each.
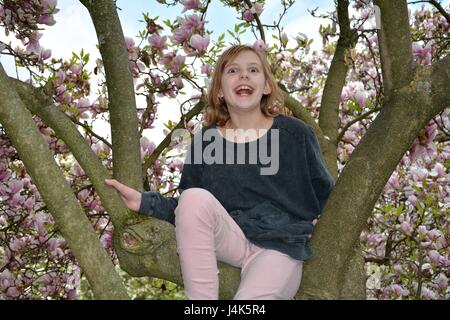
(440, 78)
(258, 21)
(355, 120)
(394, 39)
(442, 11)
(121, 94)
(69, 217)
(91, 132)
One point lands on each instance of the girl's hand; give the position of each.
(314, 222)
(131, 197)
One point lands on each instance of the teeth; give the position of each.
(244, 90)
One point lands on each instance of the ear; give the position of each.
(220, 94)
(267, 89)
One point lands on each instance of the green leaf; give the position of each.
(86, 58)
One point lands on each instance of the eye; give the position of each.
(231, 70)
(254, 70)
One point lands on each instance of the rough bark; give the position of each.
(121, 95)
(440, 79)
(69, 217)
(394, 39)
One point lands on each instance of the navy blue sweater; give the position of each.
(275, 210)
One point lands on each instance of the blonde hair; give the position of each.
(216, 111)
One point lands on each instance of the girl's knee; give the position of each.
(194, 202)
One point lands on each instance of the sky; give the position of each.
(74, 31)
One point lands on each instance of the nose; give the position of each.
(244, 75)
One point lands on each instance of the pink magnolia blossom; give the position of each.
(435, 257)
(351, 90)
(407, 228)
(423, 54)
(397, 290)
(180, 35)
(412, 199)
(361, 97)
(15, 186)
(428, 294)
(260, 45)
(6, 279)
(319, 69)
(176, 165)
(29, 203)
(136, 67)
(434, 234)
(178, 82)
(394, 181)
(45, 54)
(158, 42)
(77, 170)
(129, 43)
(199, 43)
(106, 240)
(173, 62)
(3, 222)
(33, 43)
(206, 69)
(418, 173)
(75, 69)
(60, 90)
(12, 292)
(39, 220)
(188, 25)
(257, 9)
(350, 136)
(60, 78)
(248, 16)
(47, 19)
(422, 230)
(17, 244)
(147, 146)
(285, 65)
(438, 170)
(50, 5)
(83, 104)
(441, 281)
(190, 5)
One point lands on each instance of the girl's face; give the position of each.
(243, 82)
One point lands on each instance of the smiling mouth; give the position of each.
(243, 91)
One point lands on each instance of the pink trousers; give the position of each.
(206, 233)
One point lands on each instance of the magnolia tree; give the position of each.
(375, 94)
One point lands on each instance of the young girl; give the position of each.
(230, 208)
